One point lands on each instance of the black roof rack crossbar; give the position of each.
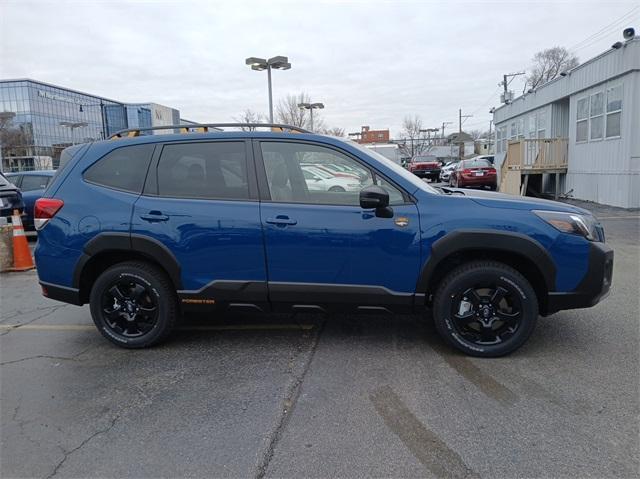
(204, 128)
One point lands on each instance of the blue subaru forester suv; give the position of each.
(146, 227)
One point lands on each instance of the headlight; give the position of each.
(571, 223)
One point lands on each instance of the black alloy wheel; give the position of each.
(485, 308)
(134, 304)
(129, 307)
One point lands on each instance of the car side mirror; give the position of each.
(377, 198)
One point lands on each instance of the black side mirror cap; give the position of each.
(374, 196)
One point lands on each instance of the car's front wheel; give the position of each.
(134, 304)
(485, 308)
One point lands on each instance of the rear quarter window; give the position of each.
(124, 168)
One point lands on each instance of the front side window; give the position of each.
(124, 168)
(614, 111)
(304, 173)
(216, 170)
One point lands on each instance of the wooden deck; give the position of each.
(533, 157)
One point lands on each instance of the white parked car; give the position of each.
(320, 180)
(446, 170)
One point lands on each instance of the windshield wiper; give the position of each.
(448, 191)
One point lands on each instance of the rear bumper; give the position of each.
(478, 181)
(593, 288)
(61, 293)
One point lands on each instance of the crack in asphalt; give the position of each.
(45, 356)
(52, 309)
(80, 446)
(290, 402)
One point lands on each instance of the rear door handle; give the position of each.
(154, 216)
(281, 220)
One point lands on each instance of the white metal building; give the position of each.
(595, 110)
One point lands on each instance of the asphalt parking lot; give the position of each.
(322, 396)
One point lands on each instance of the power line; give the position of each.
(603, 31)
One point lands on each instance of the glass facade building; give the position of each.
(39, 120)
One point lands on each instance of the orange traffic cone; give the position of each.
(22, 260)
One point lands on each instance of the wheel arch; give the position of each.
(522, 253)
(107, 249)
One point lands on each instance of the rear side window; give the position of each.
(34, 182)
(216, 170)
(123, 169)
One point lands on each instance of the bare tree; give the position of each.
(475, 134)
(249, 116)
(334, 131)
(411, 127)
(289, 113)
(548, 64)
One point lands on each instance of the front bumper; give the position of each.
(593, 288)
(423, 173)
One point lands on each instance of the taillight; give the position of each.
(45, 209)
(466, 171)
(492, 171)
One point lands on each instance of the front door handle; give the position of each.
(281, 220)
(154, 216)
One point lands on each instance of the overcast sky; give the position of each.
(370, 62)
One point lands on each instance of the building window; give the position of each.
(520, 128)
(532, 126)
(596, 118)
(614, 111)
(542, 125)
(582, 123)
(514, 130)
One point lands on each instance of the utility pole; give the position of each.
(460, 117)
(505, 83)
(444, 123)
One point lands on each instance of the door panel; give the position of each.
(206, 212)
(315, 241)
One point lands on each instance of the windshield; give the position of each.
(425, 158)
(410, 177)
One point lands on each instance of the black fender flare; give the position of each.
(125, 242)
(488, 240)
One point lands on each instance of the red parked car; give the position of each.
(474, 172)
(425, 166)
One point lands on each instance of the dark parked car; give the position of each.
(425, 166)
(32, 185)
(475, 172)
(10, 197)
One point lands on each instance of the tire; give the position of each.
(339, 189)
(493, 187)
(470, 318)
(134, 305)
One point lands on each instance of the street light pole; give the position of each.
(270, 94)
(311, 107)
(259, 64)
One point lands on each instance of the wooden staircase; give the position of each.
(533, 157)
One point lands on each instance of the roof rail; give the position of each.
(205, 127)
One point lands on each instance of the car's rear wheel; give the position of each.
(134, 304)
(339, 189)
(485, 308)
